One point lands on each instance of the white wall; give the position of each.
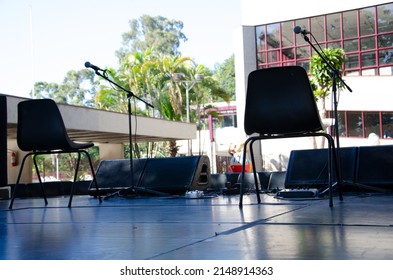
(256, 12)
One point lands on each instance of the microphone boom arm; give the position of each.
(129, 93)
(334, 70)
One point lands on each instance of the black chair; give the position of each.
(41, 131)
(280, 104)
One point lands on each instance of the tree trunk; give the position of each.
(173, 148)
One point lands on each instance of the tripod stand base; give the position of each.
(345, 185)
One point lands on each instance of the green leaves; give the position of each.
(321, 73)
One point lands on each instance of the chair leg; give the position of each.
(254, 171)
(75, 178)
(94, 176)
(242, 173)
(39, 179)
(17, 181)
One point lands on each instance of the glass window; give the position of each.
(385, 57)
(371, 123)
(228, 121)
(334, 45)
(352, 61)
(366, 35)
(273, 56)
(367, 43)
(318, 28)
(273, 36)
(341, 123)
(288, 63)
(288, 54)
(387, 125)
(303, 23)
(385, 40)
(261, 57)
(333, 27)
(350, 24)
(368, 59)
(354, 120)
(351, 45)
(303, 52)
(367, 22)
(287, 34)
(261, 37)
(385, 18)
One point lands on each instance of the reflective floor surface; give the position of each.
(212, 227)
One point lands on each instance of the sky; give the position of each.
(41, 40)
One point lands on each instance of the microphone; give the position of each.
(95, 68)
(298, 30)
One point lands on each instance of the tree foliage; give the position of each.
(322, 74)
(149, 60)
(148, 32)
(225, 75)
(78, 88)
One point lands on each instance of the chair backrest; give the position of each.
(41, 126)
(280, 101)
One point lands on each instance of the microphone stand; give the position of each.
(129, 96)
(335, 74)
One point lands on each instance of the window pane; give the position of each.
(386, 57)
(287, 34)
(352, 61)
(261, 37)
(368, 59)
(341, 124)
(385, 18)
(354, 124)
(288, 54)
(273, 36)
(303, 52)
(273, 56)
(261, 57)
(289, 63)
(334, 45)
(371, 123)
(351, 45)
(333, 27)
(303, 23)
(387, 125)
(385, 40)
(350, 24)
(317, 28)
(367, 43)
(367, 23)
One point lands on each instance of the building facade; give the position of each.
(363, 29)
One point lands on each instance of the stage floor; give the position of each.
(210, 228)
